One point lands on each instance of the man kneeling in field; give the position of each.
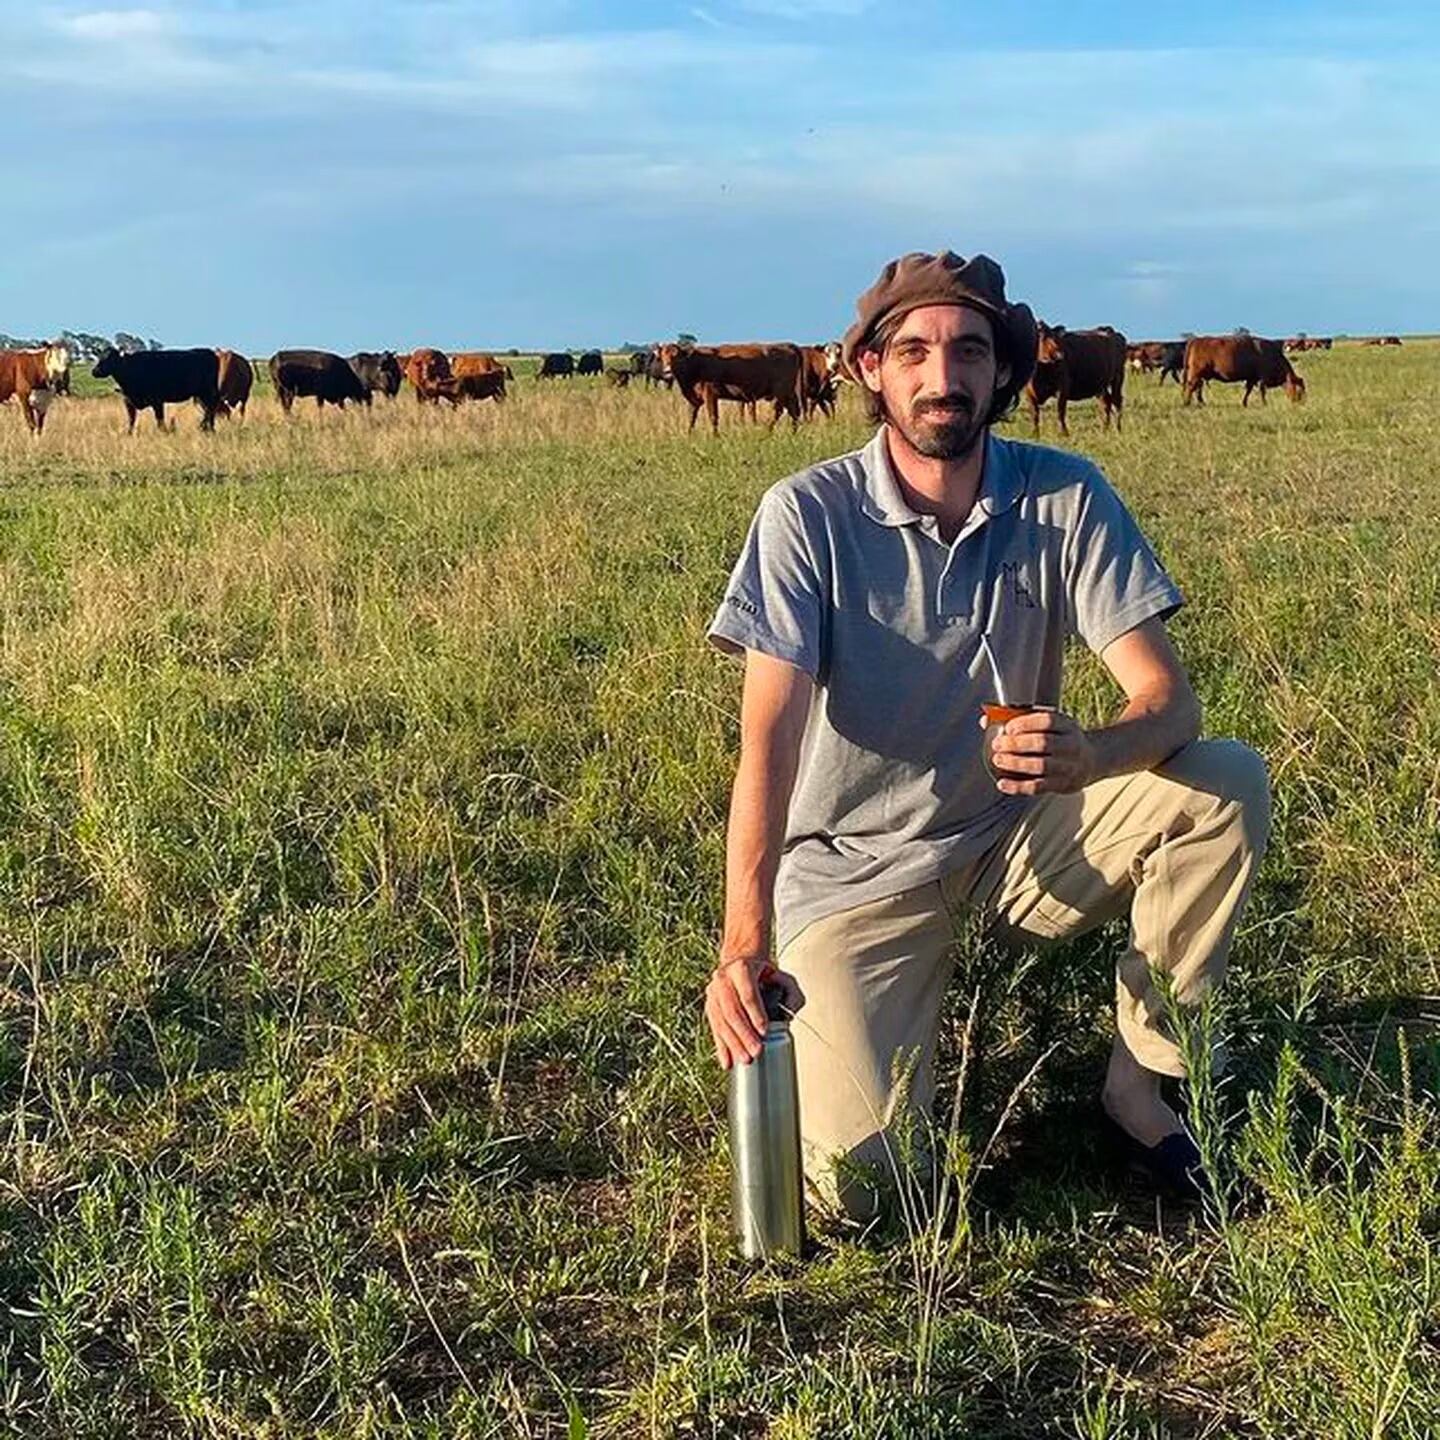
(862, 811)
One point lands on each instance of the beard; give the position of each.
(946, 428)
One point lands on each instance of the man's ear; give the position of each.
(870, 369)
(1002, 374)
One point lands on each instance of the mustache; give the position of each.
(955, 401)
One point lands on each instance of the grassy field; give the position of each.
(362, 785)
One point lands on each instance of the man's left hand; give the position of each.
(1044, 751)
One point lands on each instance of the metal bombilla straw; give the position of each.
(1000, 694)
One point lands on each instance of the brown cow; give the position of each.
(475, 362)
(821, 364)
(481, 385)
(745, 374)
(236, 379)
(434, 379)
(1234, 358)
(1148, 355)
(428, 371)
(34, 377)
(1077, 365)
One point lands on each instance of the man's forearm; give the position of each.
(1150, 729)
(753, 838)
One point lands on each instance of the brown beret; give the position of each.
(945, 279)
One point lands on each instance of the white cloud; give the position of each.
(109, 25)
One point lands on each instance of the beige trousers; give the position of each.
(1177, 846)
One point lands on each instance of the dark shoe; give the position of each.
(1174, 1166)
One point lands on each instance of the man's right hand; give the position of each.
(735, 1011)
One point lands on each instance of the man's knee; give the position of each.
(1235, 775)
(863, 1181)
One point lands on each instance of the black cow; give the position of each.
(558, 362)
(592, 362)
(1172, 362)
(151, 379)
(378, 370)
(327, 377)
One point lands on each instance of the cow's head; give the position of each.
(834, 369)
(390, 372)
(1049, 346)
(57, 361)
(429, 365)
(665, 355)
(105, 365)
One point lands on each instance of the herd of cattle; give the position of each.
(795, 380)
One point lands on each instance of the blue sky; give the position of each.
(541, 173)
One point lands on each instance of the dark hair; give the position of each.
(1001, 403)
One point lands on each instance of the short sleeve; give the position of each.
(773, 601)
(1113, 580)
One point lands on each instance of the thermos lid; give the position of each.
(773, 999)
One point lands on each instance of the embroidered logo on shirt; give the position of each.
(1011, 576)
(748, 607)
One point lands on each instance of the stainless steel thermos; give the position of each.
(765, 1181)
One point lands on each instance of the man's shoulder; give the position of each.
(831, 486)
(1055, 479)
(1048, 462)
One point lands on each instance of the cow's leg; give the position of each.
(1119, 403)
(694, 412)
(1245, 398)
(1061, 401)
(130, 413)
(712, 409)
(158, 410)
(1262, 395)
(1034, 416)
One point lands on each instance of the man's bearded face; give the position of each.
(937, 378)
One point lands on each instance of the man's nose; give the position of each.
(946, 372)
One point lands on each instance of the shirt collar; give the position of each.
(884, 502)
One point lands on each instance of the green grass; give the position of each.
(362, 788)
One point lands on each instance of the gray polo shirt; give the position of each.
(841, 578)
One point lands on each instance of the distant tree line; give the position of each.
(84, 347)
